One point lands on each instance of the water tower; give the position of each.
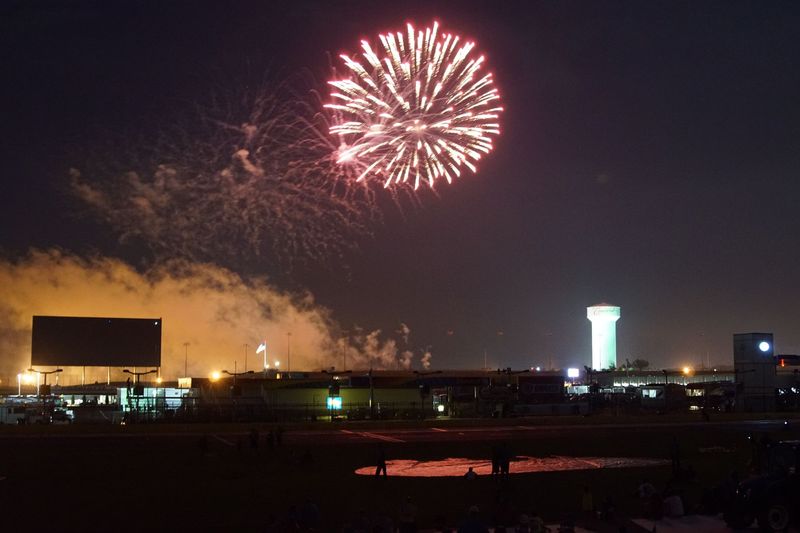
(604, 335)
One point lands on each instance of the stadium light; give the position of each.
(215, 375)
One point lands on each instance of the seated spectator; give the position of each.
(309, 515)
(537, 524)
(524, 524)
(471, 474)
(587, 500)
(672, 504)
(646, 489)
(408, 517)
(607, 509)
(473, 522)
(440, 524)
(504, 515)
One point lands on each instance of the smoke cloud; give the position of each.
(214, 310)
(248, 177)
(426, 359)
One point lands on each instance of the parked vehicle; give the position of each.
(12, 414)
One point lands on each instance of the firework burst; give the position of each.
(418, 110)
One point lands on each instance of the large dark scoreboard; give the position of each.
(91, 341)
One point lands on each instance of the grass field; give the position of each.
(131, 478)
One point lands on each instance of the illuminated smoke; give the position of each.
(418, 109)
(426, 359)
(404, 331)
(213, 309)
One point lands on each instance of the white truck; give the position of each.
(13, 413)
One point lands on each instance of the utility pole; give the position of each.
(246, 347)
(289, 352)
(186, 360)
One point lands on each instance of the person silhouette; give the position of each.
(381, 466)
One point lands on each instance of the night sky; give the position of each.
(650, 158)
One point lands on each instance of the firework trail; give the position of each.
(248, 177)
(419, 111)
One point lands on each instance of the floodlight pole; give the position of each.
(289, 353)
(45, 374)
(371, 395)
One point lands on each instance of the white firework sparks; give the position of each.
(421, 110)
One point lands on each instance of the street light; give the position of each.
(234, 374)
(186, 360)
(288, 351)
(45, 374)
(136, 376)
(234, 390)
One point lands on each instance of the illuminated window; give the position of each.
(334, 402)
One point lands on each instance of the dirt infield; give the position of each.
(199, 479)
